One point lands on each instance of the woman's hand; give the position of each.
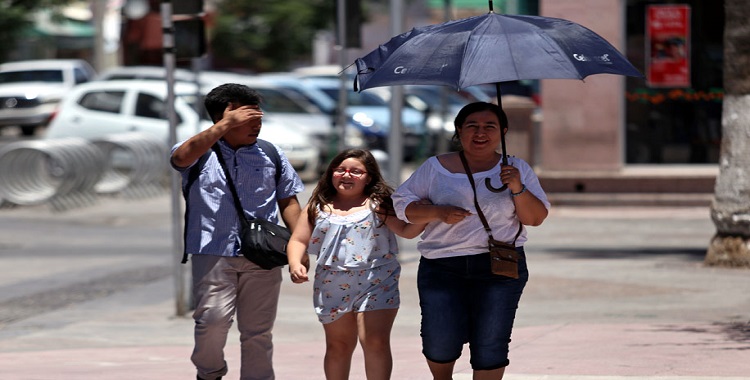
(529, 209)
(509, 175)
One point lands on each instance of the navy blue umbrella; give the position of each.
(490, 48)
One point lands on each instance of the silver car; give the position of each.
(31, 90)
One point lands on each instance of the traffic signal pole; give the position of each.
(396, 134)
(182, 297)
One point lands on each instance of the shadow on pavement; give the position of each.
(690, 254)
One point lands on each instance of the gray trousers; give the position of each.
(223, 286)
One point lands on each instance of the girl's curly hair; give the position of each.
(377, 189)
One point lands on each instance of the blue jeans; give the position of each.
(463, 302)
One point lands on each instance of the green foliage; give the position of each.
(267, 35)
(15, 19)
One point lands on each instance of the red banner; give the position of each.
(668, 45)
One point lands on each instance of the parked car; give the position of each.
(284, 105)
(293, 83)
(326, 104)
(100, 108)
(428, 99)
(31, 90)
(144, 72)
(371, 115)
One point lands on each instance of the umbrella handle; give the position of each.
(487, 181)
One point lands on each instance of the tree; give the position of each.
(730, 209)
(15, 20)
(267, 35)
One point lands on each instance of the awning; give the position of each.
(46, 25)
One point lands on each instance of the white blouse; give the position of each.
(432, 181)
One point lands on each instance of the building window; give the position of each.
(679, 124)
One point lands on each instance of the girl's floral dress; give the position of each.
(357, 267)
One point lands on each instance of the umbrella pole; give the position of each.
(487, 181)
(502, 133)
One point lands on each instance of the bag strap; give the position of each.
(476, 203)
(193, 174)
(271, 151)
(230, 184)
(267, 148)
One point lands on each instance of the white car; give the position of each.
(31, 90)
(285, 105)
(96, 109)
(293, 108)
(144, 72)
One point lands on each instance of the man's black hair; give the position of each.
(219, 98)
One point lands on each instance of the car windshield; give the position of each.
(272, 101)
(50, 76)
(356, 98)
(433, 95)
(276, 101)
(196, 102)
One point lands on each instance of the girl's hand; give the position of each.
(452, 214)
(298, 273)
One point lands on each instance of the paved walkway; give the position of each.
(614, 294)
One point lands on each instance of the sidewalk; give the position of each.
(614, 294)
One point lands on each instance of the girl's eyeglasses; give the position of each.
(355, 173)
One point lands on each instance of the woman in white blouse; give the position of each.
(462, 300)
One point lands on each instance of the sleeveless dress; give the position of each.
(357, 267)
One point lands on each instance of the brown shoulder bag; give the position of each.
(503, 256)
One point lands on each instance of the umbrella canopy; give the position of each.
(491, 48)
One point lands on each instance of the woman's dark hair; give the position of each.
(471, 108)
(219, 98)
(376, 188)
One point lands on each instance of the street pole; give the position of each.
(180, 271)
(395, 137)
(442, 140)
(343, 88)
(98, 9)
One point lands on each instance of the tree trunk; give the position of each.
(730, 209)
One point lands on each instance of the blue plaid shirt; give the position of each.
(212, 221)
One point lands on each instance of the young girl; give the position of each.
(349, 224)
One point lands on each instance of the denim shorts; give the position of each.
(463, 302)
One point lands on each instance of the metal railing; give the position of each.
(72, 172)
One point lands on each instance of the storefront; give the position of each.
(674, 114)
(670, 116)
